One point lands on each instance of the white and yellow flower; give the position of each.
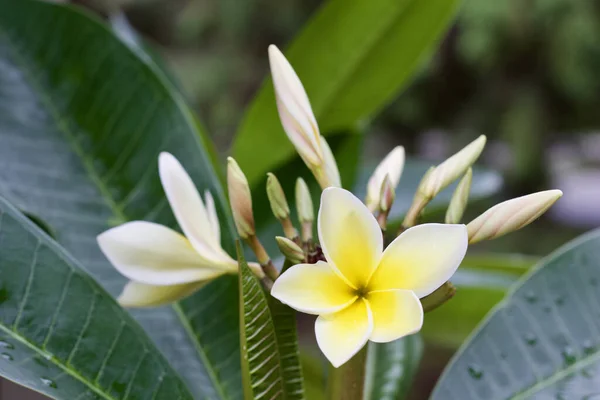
(299, 123)
(162, 264)
(362, 292)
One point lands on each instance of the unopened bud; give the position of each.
(240, 199)
(455, 166)
(391, 166)
(387, 195)
(290, 250)
(511, 215)
(460, 199)
(279, 204)
(305, 209)
(295, 112)
(419, 202)
(329, 174)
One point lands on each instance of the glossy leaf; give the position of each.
(391, 368)
(61, 334)
(353, 58)
(82, 121)
(542, 341)
(262, 374)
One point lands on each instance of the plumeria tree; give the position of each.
(108, 188)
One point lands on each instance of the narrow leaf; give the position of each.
(61, 334)
(391, 368)
(261, 364)
(542, 341)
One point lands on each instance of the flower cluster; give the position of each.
(359, 290)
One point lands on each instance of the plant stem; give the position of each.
(347, 382)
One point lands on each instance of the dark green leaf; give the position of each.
(61, 334)
(391, 368)
(82, 121)
(543, 340)
(353, 58)
(262, 374)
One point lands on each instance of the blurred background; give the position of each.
(522, 72)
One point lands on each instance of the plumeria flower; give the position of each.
(162, 264)
(391, 166)
(362, 292)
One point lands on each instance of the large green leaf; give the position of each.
(352, 57)
(82, 121)
(61, 334)
(391, 368)
(262, 374)
(543, 340)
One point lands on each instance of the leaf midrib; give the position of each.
(101, 186)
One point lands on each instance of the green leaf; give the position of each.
(482, 281)
(82, 121)
(262, 374)
(61, 334)
(543, 340)
(391, 368)
(353, 58)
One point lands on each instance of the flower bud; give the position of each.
(290, 250)
(295, 112)
(327, 175)
(390, 166)
(387, 195)
(304, 202)
(304, 206)
(240, 199)
(511, 215)
(279, 204)
(455, 166)
(460, 199)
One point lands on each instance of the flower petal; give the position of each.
(396, 313)
(189, 209)
(392, 166)
(341, 335)
(136, 294)
(421, 259)
(350, 236)
(213, 217)
(154, 254)
(313, 289)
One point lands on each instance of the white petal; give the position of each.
(341, 335)
(136, 294)
(421, 259)
(154, 254)
(294, 108)
(313, 289)
(392, 165)
(350, 236)
(189, 209)
(396, 313)
(213, 217)
(331, 168)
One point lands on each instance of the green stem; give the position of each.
(347, 382)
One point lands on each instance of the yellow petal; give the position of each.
(350, 236)
(154, 254)
(396, 313)
(392, 166)
(421, 259)
(313, 289)
(341, 335)
(189, 209)
(136, 294)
